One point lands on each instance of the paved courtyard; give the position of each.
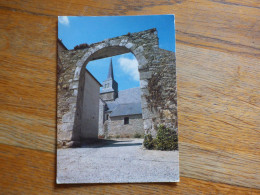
(118, 160)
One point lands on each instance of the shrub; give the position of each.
(137, 135)
(117, 136)
(148, 142)
(166, 139)
(81, 46)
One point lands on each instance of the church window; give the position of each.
(126, 120)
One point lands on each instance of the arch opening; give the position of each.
(82, 130)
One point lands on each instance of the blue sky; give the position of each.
(79, 29)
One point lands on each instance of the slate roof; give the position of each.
(127, 109)
(127, 103)
(110, 71)
(128, 96)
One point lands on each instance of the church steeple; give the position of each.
(110, 71)
(109, 91)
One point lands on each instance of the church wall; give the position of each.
(116, 127)
(108, 96)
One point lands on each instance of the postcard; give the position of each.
(116, 99)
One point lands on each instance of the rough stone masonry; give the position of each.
(157, 70)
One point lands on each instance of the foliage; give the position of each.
(166, 139)
(137, 135)
(81, 46)
(148, 142)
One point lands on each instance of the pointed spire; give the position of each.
(110, 71)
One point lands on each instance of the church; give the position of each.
(120, 112)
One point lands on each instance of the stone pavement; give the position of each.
(116, 161)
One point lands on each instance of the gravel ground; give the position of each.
(116, 161)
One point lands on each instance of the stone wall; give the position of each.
(157, 80)
(159, 95)
(66, 97)
(116, 127)
(60, 48)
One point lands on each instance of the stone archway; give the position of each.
(157, 80)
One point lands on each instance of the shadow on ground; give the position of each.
(109, 143)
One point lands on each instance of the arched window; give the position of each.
(126, 120)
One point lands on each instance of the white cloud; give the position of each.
(64, 20)
(130, 67)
